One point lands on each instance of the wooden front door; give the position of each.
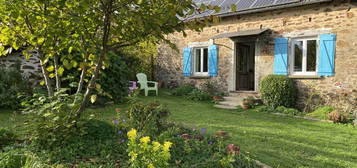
(245, 65)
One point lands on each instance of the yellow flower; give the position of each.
(156, 145)
(151, 165)
(133, 155)
(145, 140)
(132, 134)
(167, 146)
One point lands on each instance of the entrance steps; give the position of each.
(235, 99)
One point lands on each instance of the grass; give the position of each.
(321, 113)
(275, 140)
(280, 142)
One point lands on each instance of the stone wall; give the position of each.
(333, 17)
(30, 68)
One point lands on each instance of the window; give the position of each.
(304, 56)
(200, 64)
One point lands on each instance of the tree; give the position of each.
(91, 27)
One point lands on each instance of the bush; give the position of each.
(148, 118)
(6, 137)
(183, 90)
(199, 95)
(114, 79)
(12, 85)
(278, 90)
(52, 119)
(290, 111)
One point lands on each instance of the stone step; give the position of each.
(243, 94)
(225, 107)
(231, 103)
(229, 98)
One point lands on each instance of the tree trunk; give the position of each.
(46, 76)
(105, 39)
(82, 77)
(58, 78)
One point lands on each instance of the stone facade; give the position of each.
(30, 68)
(336, 17)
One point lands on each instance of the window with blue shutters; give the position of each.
(303, 56)
(200, 61)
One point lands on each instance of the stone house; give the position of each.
(312, 41)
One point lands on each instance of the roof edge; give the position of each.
(290, 5)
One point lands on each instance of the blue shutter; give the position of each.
(213, 60)
(281, 56)
(187, 62)
(326, 65)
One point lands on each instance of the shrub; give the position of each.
(52, 119)
(199, 95)
(338, 116)
(321, 112)
(6, 137)
(249, 102)
(12, 85)
(290, 111)
(278, 90)
(114, 79)
(147, 118)
(183, 90)
(142, 153)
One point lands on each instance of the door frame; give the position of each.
(234, 58)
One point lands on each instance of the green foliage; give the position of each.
(7, 137)
(211, 87)
(183, 90)
(199, 95)
(12, 159)
(93, 139)
(114, 79)
(144, 153)
(148, 118)
(196, 149)
(290, 111)
(52, 119)
(278, 90)
(321, 112)
(12, 86)
(249, 102)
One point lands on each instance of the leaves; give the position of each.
(93, 98)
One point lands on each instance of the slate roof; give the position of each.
(248, 6)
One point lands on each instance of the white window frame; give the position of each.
(304, 60)
(201, 73)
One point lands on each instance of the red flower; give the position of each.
(233, 149)
(186, 136)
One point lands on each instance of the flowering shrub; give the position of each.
(144, 153)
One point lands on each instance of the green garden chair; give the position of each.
(144, 84)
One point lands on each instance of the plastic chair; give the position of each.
(143, 81)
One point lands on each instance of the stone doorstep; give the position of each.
(231, 103)
(227, 107)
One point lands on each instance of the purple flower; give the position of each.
(203, 131)
(116, 122)
(210, 142)
(120, 132)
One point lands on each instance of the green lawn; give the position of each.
(275, 140)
